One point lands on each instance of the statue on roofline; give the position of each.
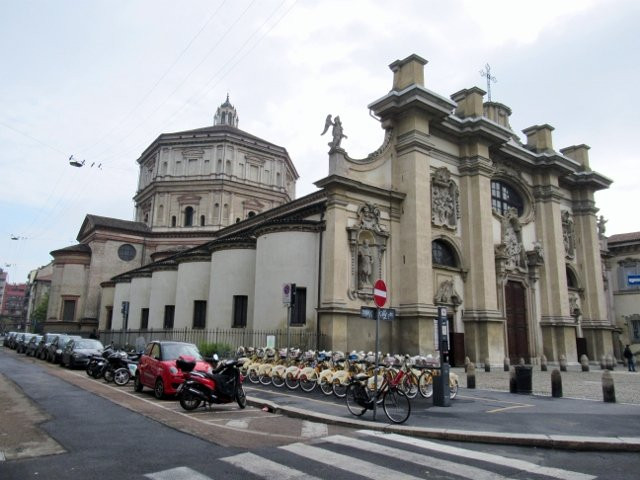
(336, 131)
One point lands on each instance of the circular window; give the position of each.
(127, 252)
(505, 197)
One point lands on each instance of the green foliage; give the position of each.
(208, 349)
(39, 315)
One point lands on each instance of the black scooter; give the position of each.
(222, 385)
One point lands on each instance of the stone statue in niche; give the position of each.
(568, 234)
(512, 248)
(365, 265)
(445, 208)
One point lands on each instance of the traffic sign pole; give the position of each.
(379, 298)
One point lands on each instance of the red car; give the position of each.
(157, 368)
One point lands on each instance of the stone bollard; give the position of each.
(608, 362)
(471, 375)
(506, 364)
(602, 363)
(467, 361)
(584, 362)
(513, 384)
(487, 365)
(608, 389)
(556, 383)
(563, 363)
(521, 362)
(543, 363)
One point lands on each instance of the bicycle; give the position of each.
(395, 403)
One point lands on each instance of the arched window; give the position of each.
(173, 221)
(442, 254)
(202, 220)
(225, 214)
(227, 167)
(188, 216)
(572, 281)
(504, 197)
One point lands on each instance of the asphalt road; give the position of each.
(112, 432)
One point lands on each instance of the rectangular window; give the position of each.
(144, 318)
(629, 275)
(299, 313)
(109, 318)
(199, 313)
(240, 303)
(635, 328)
(169, 312)
(69, 310)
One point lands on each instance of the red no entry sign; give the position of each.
(380, 293)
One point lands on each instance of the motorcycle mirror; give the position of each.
(215, 357)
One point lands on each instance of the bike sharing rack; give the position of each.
(441, 389)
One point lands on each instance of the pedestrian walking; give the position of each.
(631, 359)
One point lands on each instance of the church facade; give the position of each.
(452, 209)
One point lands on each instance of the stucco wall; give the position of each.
(232, 273)
(192, 284)
(163, 292)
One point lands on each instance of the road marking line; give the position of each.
(179, 473)
(482, 456)
(265, 468)
(458, 469)
(314, 429)
(508, 408)
(346, 462)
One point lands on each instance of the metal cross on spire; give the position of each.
(487, 74)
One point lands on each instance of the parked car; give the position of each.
(47, 338)
(54, 351)
(23, 340)
(30, 350)
(157, 367)
(77, 352)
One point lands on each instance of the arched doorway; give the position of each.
(517, 327)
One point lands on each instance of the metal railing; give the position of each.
(233, 337)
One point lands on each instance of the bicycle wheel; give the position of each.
(264, 379)
(396, 405)
(253, 376)
(277, 381)
(307, 384)
(409, 385)
(355, 395)
(327, 388)
(425, 384)
(291, 382)
(339, 390)
(453, 389)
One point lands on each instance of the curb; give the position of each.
(563, 442)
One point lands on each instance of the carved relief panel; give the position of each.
(511, 252)
(445, 205)
(367, 244)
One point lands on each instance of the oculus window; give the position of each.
(126, 252)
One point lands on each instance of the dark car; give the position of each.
(157, 367)
(30, 350)
(43, 346)
(54, 351)
(23, 340)
(77, 352)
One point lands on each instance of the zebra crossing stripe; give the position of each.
(265, 468)
(347, 463)
(313, 429)
(179, 473)
(460, 470)
(482, 456)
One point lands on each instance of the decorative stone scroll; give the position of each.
(367, 244)
(445, 204)
(568, 235)
(447, 294)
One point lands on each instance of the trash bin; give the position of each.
(523, 379)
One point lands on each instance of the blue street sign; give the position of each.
(387, 314)
(633, 280)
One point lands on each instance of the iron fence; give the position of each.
(231, 337)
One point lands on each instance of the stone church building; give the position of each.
(452, 209)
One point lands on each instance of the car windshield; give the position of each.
(88, 344)
(171, 351)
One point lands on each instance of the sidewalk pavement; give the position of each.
(487, 415)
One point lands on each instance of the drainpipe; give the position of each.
(319, 284)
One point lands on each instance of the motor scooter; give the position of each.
(222, 385)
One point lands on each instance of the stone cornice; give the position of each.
(587, 180)
(480, 128)
(414, 96)
(292, 225)
(337, 182)
(584, 207)
(476, 166)
(547, 193)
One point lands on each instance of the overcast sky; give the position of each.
(100, 80)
